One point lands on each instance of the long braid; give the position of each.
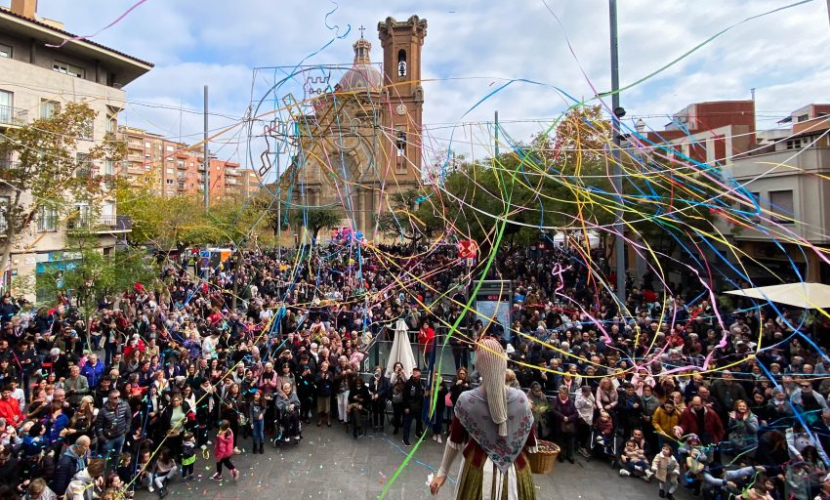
(492, 365)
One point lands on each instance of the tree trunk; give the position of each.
(11, 234)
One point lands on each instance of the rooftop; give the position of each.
(48, 32)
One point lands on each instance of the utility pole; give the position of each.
(206, 158)
(497, 135)
(618, 112)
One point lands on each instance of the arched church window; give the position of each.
(402, 62)
(401, 143)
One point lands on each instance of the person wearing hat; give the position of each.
(413, 404)
(490, 414)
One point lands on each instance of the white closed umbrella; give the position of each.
(401, 351)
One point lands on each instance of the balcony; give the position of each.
(103, 224)
(13, 116)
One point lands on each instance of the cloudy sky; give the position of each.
(472, 47)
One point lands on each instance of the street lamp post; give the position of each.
(618, 112)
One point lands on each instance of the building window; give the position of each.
(5, 51)
(87, 130)
(802, 118)
(112, 123)
(4, 209)
(401, 144)
(81, 217)
(47, 221)
(402, 62)
(68, 69)
(781, 202)
(48, 109)
(84, 170)
(794, 144)
(6, 107)
(756, 199)
(109, 167)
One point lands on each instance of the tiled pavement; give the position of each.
(329, 464)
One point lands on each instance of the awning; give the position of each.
(803, 295)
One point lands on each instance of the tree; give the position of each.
(315, 219)
(410, 217)
(93, 275)
(49, 175)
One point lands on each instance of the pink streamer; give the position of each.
(84, 37)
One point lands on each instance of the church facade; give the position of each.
(362, 144)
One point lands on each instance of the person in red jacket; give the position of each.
(426, 337)
(10, 407)
(700, 420)
(223, 450)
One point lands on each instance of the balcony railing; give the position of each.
(13, 116)
(103, 223)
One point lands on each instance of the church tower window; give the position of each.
(401, 143)
(402, 62)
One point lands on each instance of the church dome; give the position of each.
(362, 74)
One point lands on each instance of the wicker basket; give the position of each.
(542, 461)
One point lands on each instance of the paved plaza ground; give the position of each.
(329, 464)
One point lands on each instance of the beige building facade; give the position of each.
(37, 81)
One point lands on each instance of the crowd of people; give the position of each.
(720, 399)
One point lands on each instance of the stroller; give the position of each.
(603, 444)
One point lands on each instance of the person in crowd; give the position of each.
(223, 451)
(379, 389)
(112, 424)
(188, 455)
(566, 417)
(325, 391)
(667, 471)
(633, 460)
(413, 404)
(72, 460)
(257, 409)
(288, 408)
(360, 400)
(742, 428)
(164, 468)
(701, 420)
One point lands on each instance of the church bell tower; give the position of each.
(403, 100)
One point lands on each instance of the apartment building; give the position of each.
(171, 168)
(709, 132)
(786, 175)
(38, 79)
(168, 168)
(782, 169)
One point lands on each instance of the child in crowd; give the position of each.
(223, 450)
(634, 461)
(165, 467)
(605, 426)
(125, 473)
(188, 455)
(144, 467)
(666, 470)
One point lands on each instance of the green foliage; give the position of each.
(563, 180)
(181, 221)
(315, 219)
(47, 173)
(94, 275)
(410, 217)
